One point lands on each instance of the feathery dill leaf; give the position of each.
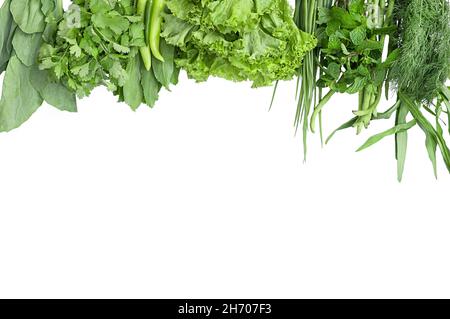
(424, 40)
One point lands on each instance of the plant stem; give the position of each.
(319, 108)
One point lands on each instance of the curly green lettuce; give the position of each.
(238, 40)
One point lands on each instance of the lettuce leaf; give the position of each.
(238, 40)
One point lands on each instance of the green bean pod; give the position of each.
(145, 51)
(155, 28)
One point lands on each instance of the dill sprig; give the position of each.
(424, 41)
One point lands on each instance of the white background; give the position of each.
(206, 196)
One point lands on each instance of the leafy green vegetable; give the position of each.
(25, 87)
(28, 15)
(54, 55)
(53, 92)
(19, 98)
(306, 20)
(353, 36)
(132, 90)
(423, 64)
(401, 141)
(236, 39)
(95, 42)
(351, 39)
(432, 135)
(25, 45)
(395, 130)
(150, 86)
(7, 28)
(164, 71)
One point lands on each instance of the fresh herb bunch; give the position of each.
(25, 87)
(52, 55)
(424, 41)
(353, 36)
(306, 19)
(419, 75)
(55, 56)
(348, 58)
(96, 41)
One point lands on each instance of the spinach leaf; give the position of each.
(19, 98)
(175, 76)
(53, 12)
(53, 92)
(26, 46)
(132, 90)
(6, 26)
(28, 15)
(164, 70)
(59, 96)
(150, 87)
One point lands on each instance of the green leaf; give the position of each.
(54, 93)
(379, 75)
(75, 50)
(81, 70)
(378, 137)
(7, 27)
(137, 35)
(175, 75)
(164, 70)
(118, 73)
(19, 98)
(391, 58)
(362, 70)
(111, 20)
(356, 6)
(89, 46)
(132, 90)
(332, 27)
(121, 49)
(344, 49)
(431, 145)
(370, 45)
(344, 126)
(388, 113)
(345, 18)
(57, 95)
(447, 106)
(426, 126)
(48, 6)
(27, 46)
(358, 35)
(401, 141)
(357, 85)
(445, 92)
(334, 70)
(323, 15)
(334, 43)
(28, 15)
(150, 87)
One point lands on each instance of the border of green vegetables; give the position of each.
(353, 35)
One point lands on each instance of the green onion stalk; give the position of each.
(307, 92)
